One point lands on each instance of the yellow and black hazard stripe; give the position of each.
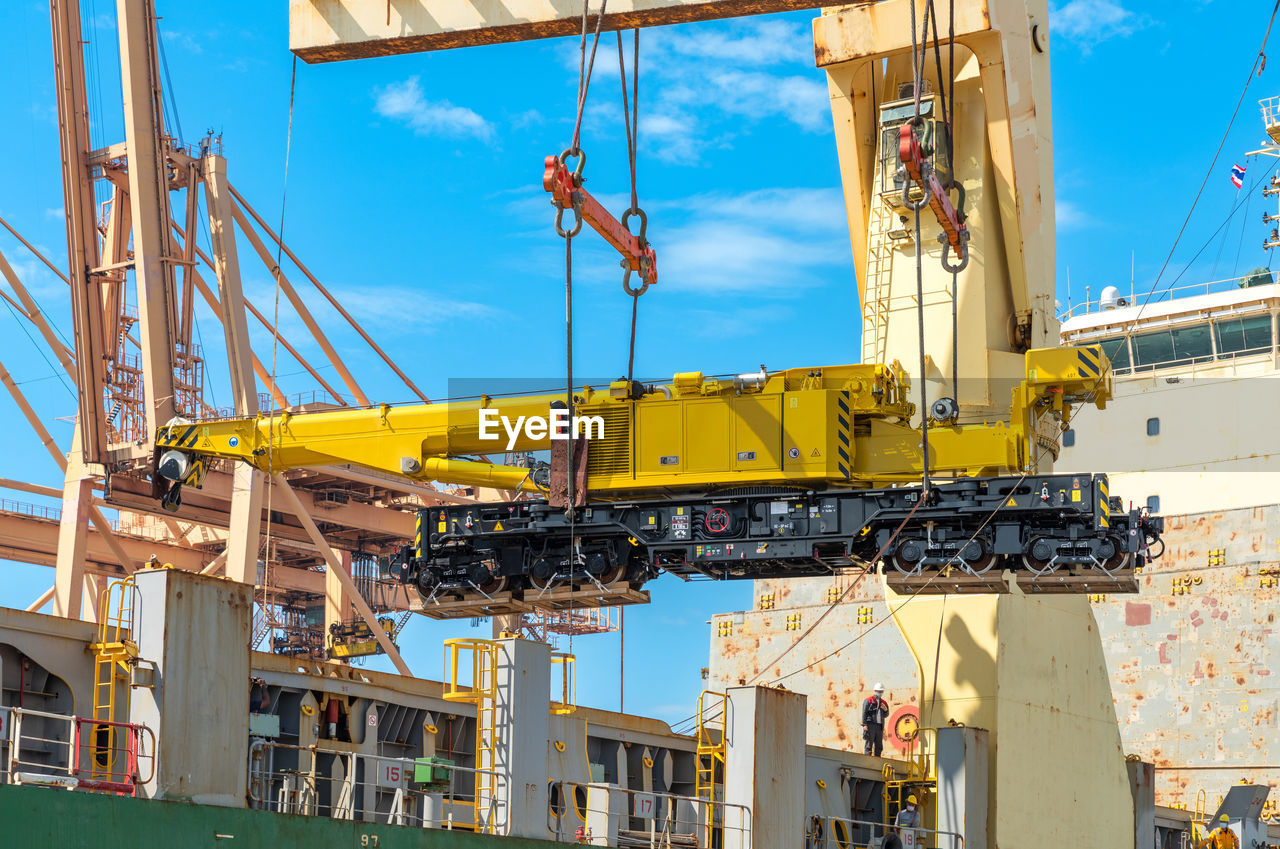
(1103, 506)
(1090, 361)
(842, 434)
(417, 537)
(179, 436)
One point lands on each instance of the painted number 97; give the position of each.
(368, 840)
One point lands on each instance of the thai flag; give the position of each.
(1237, 175)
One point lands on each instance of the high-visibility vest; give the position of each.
(1222, 838)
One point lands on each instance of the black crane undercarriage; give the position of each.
(1053, 533)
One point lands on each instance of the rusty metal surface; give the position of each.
(1190, 657)
(336, 30)
(835, 685)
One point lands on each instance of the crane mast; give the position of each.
(1001, 157)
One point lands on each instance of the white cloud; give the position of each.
(173, 39)
(527, 118)
(1089, 22)
(771, 241)
(405, 102)
(1069, 216)
(763, 42)
(671, 137)
(703, 84)
(385, 307)
(736, 256)
(775, 243)
(804, 101)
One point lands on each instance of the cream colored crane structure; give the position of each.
(1030, 671)
(1004, 160)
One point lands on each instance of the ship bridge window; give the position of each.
(1244, 335)
(1170, 347)
(1117, 351)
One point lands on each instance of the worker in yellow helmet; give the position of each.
(908, 818)
(1222, 837)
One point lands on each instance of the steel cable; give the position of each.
(907, 600)
(631, 123)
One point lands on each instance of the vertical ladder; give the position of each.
(877, 290)
(486, 781)
(114, 655)
(483, 693)
(709, 779)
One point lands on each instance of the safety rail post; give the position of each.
(127, 755)
(568, 702)
(922, 758)
(667, 825)
(292, 791)
(115, 650)
(483, 693)
(846, 833)
(710, 754)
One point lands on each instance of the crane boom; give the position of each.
(838, 425)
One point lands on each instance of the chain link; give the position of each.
(575, 196)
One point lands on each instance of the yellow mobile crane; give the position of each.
(766, 474)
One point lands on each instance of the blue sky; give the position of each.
(414, 193)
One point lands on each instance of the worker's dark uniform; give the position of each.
(874, 712)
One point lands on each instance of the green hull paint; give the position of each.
(39, 816)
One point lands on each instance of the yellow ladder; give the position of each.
(482, 691)
(877, 290)
(709, 778)
(114, 655)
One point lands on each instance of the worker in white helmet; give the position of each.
(875, 710)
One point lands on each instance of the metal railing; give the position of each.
(1093, 305)
(606, 815)
(38, 511)
(75, 752)
(320, 782)
(831, 832)
(1270, 111)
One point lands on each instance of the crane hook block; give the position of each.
(566, 191)
(918, 170)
